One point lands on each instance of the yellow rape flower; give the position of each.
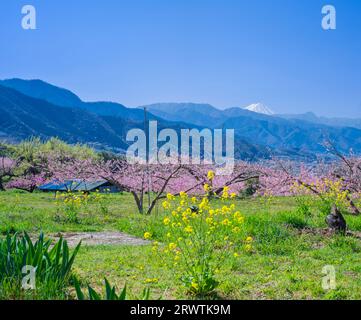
(147, 235)
(226, 222)
(151, 280)
(207, 187)
(170, 197)
(204, 204)
(240, 220)
(172, 246)
(225, 195)
(166, 205)
(183, 194)
(237, 214)
(166, 220)
(236, 229)
(210, 175)
(225, 209)
(188, 229)
(209, 220)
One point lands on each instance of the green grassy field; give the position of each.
(289, 249)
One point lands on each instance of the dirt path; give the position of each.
(327, 232)
(99, 238)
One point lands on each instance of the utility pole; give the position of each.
(147, 154)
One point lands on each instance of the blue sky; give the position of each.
(223, 52)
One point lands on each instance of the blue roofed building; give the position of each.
(79, 185)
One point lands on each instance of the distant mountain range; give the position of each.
(204, 115)
(336, 122)
(62, 97)
(36, 108)
(22, 117)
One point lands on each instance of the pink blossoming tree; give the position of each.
(7, 167)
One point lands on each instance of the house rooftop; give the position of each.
(73, 185)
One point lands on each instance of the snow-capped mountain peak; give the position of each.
(260, 108)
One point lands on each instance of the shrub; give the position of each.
(329, 193)
(72, 203)
(99, 200)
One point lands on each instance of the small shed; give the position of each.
(79, 185)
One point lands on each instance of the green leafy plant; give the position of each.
(303, 206)
(99, 200)
(52, 265)
(71, 203)
(200, 237)
(110, 292)
(325, 194)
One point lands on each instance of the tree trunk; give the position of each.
(138, 201)
(151, 207)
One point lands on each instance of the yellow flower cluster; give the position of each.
(147, 235)
(72, 198)
(200, 233)
(151, 280)
(79, 197)
(248, 244)
(170, 197)
(210, 175)
(332, 191)
(166, 205)
(207, 188)
(225, 193)
(72, 202)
